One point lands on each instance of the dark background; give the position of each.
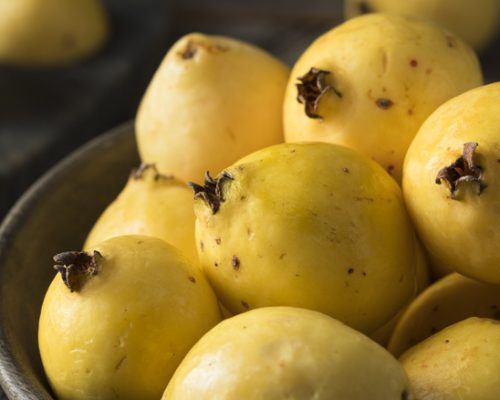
(46, 114)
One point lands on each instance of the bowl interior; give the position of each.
(53, 216)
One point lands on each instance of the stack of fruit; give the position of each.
(308, 247)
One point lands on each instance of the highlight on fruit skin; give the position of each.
(51, 33)
(370, 83)
(451, 184)
(448, 301)
(212, 100)
(477, 22)
(311, 225)
(151, 204)
(459, 362)
(116, 321)
(287, 353)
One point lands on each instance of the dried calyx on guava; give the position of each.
(211, 192)
(138, 173)
(463, 170)
(312, 88)
(77, 267)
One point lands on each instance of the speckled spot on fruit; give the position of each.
(245, 304)
(451, 41)
(384, 104)
(235, 262)
(192, 48)
(413, 63)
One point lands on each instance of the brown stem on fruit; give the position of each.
(211, 191)
(312, 88)
(138, 173)
(77, 268)
(461, 171)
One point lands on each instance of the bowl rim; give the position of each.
(12, 378)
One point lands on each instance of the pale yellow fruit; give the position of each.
(121, 333)
(458, 220)
(37, 33)
(212, 101)
(316, 226)
(151, 204)
(384, 75)
(477, 22)
(460, 362)
(383, 334)
(447, 301)
(287, 353)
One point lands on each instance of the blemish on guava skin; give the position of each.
(447, 341)
(218, 241)
(202, 246)
(384, 104)
(346, 170)
(120, 363)
(245, 304)
(216, 264)
(428, 71)
(363, 273)
(282, 255)
(433, 330)
(189, 51)
(451, 41)
(192, 279)
(413, 63)
(405, 395)
(350, 271)
(235, 262)
(192, 48)
(390, 169)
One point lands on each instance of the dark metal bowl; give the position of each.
(53, 216)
